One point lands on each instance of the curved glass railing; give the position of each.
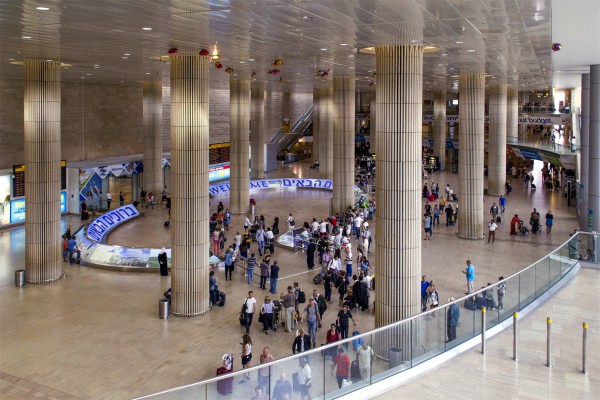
(400, 346)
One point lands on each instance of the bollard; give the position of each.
(515, 316)
(548, 344)
(584, 350)
(483, 311)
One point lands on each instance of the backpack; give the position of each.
(301, 297)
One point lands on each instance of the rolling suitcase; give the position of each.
(470, 304)
(319, 278)
(221, 301)
(356, 343)
(224, 386)
(355, 372)
(498, 219)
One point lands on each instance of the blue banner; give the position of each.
(99, 228)
(18, 207)
(531, 154)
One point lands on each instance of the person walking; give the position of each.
(163, 262)
(289, 304)
(121, 199)
(301, 342)
(549, 222)
(246, 356)
(228, 265)
(502, 201)
(250, 265)
(274, 277)
(264, 373)
(470, 275)
(453, 316)
(248, 309)
(343, 321)
(341, 364)
(264, 275)
(427, 226)
(260, 239)
(501, 291)
(266, 312)
(365, 358)
(109, 200)
(313, 319)
(494, 211)
(492, 230)
(424, 286)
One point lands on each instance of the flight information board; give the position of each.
(219, 153)
(19, 180)
(63, 175)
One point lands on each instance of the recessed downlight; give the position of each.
(471, 51)
(26, 37)
(459, 42)
(343, 44)
(242, 62)
(323, 49)
(126, 54)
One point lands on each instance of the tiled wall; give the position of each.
(106, 120)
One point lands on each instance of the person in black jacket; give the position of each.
(301, 342)
(162, 262)
(361, 294)
(310, 254)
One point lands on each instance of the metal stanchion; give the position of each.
(515, 316)
(584, 349)
(548, 344)
(483, 310)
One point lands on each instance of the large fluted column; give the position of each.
(373, 121)
(497, 140)
(584, 138)
(326, 133)
(239, 98)
(41, 117)
(523, 127)
(439, 127)
(189, 181)
(257, 130)
(315, 123)
(398, 217)
(153, 177)
(512, 114)
(594, 149)
(471, 89)
(343, 143)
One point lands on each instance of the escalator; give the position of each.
(299, 129)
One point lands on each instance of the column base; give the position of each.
(62, 276)
(198, 314)
(470, 238)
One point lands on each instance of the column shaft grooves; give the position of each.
(326, 132)
(189, 181)
(439, 127)
(470, 170)
(594, 147)
(398, 227)
(343, 143)
(257, 131)
(239, 97)
(153, 177)
(315, 123)
(42, 104)
(497, 140)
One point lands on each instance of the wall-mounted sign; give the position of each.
(18, 180)
(99, 228)
(326, 184)
(554, 119)
(219, 172)
(17, 208)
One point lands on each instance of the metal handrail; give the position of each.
(363, 335)
(276, 137)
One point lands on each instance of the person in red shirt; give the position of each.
(342, 362)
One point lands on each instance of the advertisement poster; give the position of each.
(17, 208)
(90, 187)
(4, 199)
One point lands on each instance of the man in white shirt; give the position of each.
(304, 378)
(334, 265)
(492, 231)
(323, 227)
(315, 225)
(357, 224)
(365, 360)
(238, 239)
(247, 222)
(249, 313)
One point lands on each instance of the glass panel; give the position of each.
(230, 387)
(556, 261)
(527, 287)
(392, 347)
(542, 276)
(195, 392)
(509, 303)
(428, 336)
(465, 327)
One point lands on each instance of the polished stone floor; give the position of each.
(96, 334)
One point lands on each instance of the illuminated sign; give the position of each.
(326, 184)
(219, 172)
(17, 208)
(99, 228)
(556, 119)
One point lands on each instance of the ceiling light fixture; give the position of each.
(343, 44)
(251, 59)
(323, 49)
(214, 52)
(459, 42)
(42, 8)
(126, 54)
(26, 37)
(471, 51)
(147, 29)
(371, 49)
(242, 62)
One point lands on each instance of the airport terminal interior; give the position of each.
(287, 109)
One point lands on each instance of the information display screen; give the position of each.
(63, 175)
(219, 153)
(19, 180)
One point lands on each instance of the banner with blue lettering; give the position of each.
(99, 228)
(18, 208)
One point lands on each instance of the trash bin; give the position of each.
(20, 278)
(163, 308)
(395, 357)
